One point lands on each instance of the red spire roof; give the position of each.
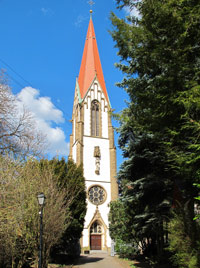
(91, 64)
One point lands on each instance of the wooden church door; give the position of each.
(95, 236)
(95, 242)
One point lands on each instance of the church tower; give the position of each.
(92, 143)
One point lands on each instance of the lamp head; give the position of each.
(41, 199)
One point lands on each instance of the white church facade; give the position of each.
(92, 143)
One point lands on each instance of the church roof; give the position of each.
(91, 64)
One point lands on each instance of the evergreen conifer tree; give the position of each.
(159, 130)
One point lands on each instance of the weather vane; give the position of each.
(91, 3)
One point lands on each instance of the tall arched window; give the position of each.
(95, 118)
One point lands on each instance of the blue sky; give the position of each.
(41, 48)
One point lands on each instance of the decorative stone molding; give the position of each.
(97, 217)
(97, 155)
(97, 152)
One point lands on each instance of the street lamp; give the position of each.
(41, 199)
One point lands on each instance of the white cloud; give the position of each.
(79, 20)
(46, 11)
(46, 115)
(132, 11)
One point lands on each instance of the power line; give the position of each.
(64, 113)
(19, 84)
(15, 73)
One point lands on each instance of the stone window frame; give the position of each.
(96, 119)
(96, 227)
(105, 194)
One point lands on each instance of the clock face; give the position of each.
(96, 195)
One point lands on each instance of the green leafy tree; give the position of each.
(159, 132)
(20, 184)
(119, 220)
(183, 253)
(197, 215)
(125, 244)
(71, 179)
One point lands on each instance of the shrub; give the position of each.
(125, 250)
(180, 244)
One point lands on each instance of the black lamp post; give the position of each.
(41, 198)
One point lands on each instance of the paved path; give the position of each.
(99, 260)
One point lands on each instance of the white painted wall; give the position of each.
(87, 120)
(86, 237)
(108, 240)
(103, 179)
(89, 159)
(74, 132)
(105, 124)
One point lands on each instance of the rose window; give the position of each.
(96, 195)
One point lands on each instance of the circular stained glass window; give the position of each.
(96, 195)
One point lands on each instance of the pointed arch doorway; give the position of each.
(96, 236)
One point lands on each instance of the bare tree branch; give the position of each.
(18, 131)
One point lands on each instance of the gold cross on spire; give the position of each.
(91, 3)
